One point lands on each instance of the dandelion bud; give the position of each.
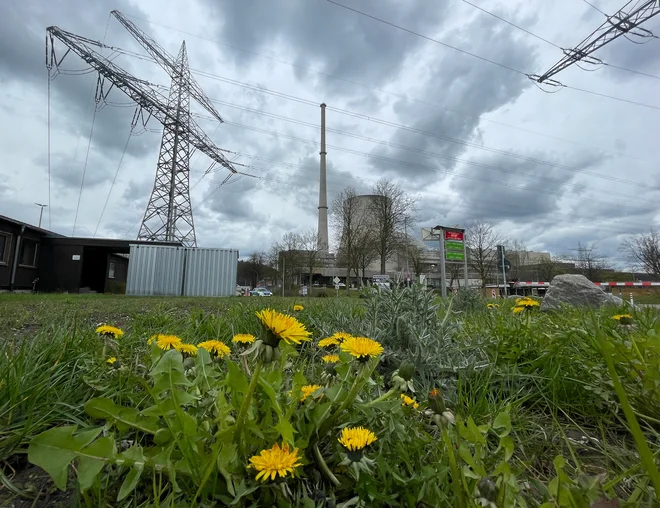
(487, 489)
(436, 401)
(406, 370)
(448, 417)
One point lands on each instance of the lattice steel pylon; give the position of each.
(169, 216)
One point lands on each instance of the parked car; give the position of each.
(260, 292)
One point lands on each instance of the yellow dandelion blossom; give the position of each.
(408, 401)
(166, 342)
(341, 336)
(527, 303)
(151, 339)
(243, 338)
(619, 317)
(329, 342)
(188, 349)
(331, 359)
(109, 331)
(356, 438)
(307, 390)
(283, 327)
(493, 306)
(215, 347)
(111, 360)
(298, 307)
(275, 461)
(518, 310)
(361, 348)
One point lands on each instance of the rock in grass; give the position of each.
(578, 291)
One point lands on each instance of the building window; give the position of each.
(28, 253)
(5, 245)
(111, 270)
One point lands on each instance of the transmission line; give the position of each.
(380, 90)
(504, 66)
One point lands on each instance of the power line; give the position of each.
(107, 199)
(441, 156)
(504, 66)
(427, 133)
(82, 180)
(513, 24)
(411, 164)
(594, 7)
(556, 45)
(380, 90)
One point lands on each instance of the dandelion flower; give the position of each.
(361, 348)
(408, 401)
(527, 303)
(329, 342)
(307, 390)
(518, 310)
(111, 360)
(298, 307)
(166, 342)
(331, 359)
(356, 438)
(109, 331)
(275, 461)
(619, 317)
(341, 336)
(492, 306)
(243, 338)
(283, 327)
(188, 349)
(215, 346)
(152, 339)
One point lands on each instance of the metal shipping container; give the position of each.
(210, 272)
(175, 271)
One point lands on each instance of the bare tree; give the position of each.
(287, 253)
(417, 256)
(516, 253)
(588, 261)
(455, 271)
(547, 268)
(391, 210)
(481, 240)
(644, 251)
(311, 253)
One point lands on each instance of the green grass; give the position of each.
(575, 384)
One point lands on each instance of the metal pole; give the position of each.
(283, 273)
(443, 271)
(405, 230)
(504, 273)
(465, 263)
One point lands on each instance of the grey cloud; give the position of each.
(322, 33)
(479, 87)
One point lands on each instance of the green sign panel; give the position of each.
(453, 245)
(454, 256)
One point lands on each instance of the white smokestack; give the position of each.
(323, 243)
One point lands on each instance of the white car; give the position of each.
(260, 292)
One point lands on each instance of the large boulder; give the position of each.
(578, 291)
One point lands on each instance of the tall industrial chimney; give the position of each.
(323, 243)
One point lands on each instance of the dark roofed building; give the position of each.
(35, 258)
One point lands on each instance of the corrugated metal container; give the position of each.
(172, 271)
(155, 270)
(210, 272)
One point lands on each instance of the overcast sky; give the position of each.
(470, 138)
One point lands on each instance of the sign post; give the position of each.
(502, 263)
(336, 280)
(452, 249)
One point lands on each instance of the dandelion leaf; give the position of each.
(236, 380)
(54, 449)
(122, 417)
(136, 459)
(94, 458)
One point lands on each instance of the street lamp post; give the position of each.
(41, 213)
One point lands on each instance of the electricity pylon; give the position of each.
(168, 216)
(618, 24)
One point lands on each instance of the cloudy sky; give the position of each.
(471, 139)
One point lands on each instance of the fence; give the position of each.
(155, 270)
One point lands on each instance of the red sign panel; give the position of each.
(454, 235)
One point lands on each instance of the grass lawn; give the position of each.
(464, 406)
